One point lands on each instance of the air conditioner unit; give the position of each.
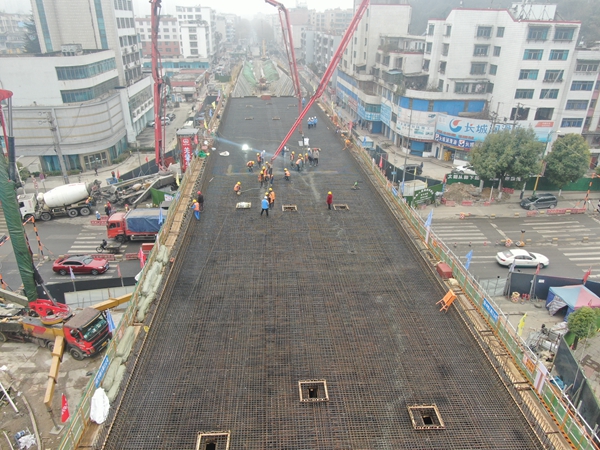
(134, 47)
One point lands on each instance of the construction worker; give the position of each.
(196, 208)
(292, 157)
(265, 206)
(271, 179)
(238, 188)
(299, 162)
(261, 178)
(329, 199)
(250, 165)
(347, 144)
(306, 158)
(286, 174)
(315, 155)
(98, 216)
(271, 197)
(200, 200)
(258, 159)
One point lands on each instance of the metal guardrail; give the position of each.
(565, 414)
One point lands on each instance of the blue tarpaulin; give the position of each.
(143, 220)
(572, 297)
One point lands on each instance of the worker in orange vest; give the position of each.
(286, 174)
(250, 165)
(261, 178)
(238, 188)
(196, 208)
(271, 198)
(299, 162)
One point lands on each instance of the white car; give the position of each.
(467, 170)
(522, 257)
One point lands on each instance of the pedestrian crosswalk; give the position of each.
(460, 234)
(562, 229)
(88, 240)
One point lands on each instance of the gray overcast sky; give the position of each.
(239, 7)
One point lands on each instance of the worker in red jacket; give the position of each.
(329, 199)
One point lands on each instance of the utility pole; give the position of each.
(406, 153)
(61, 161)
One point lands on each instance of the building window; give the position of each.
(519, 114)
(193, 37)
(588, 122)
(533, 55)
(445, 49)
(572, 123)
(378, 58)
(500, 32)
(430, 29)
(587, 66)
(87, 71)
(559, 55)
(524, 93)
(582, 85)
(544, 114)
(593, 103)
(428, 47)
(538, 33)
(448, 30)
(484, 32)
(576, 105)
(493, 69)
(564, 34)
(440, 88)
(481, 50)
(528, 74)
(425, 64)
(461, 88)
(478, 68)
(442, 66)
(548, 94)
(398, 63)
(553, 76)
(194, 51)
(386, 60)
(82, 95)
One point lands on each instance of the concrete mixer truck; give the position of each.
(69, 200)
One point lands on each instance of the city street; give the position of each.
(560, 238)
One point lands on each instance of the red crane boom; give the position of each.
(159, 146)
(328, 73)
(288, 40)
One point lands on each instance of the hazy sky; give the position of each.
(239, 7)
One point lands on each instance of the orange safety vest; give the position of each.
(272, 196)
(237, 187)
(196, 206)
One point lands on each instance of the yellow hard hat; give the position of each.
(270, 189)
(239, 182)
(284, 169)
(329, 192)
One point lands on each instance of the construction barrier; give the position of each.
(557, 211)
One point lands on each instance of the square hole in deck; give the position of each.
(243, 205)
(313, 391)
(341, 207)
(289, 208)
(426, 417)
(213, 440)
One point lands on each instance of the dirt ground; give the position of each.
(459, 192)
(24, 371)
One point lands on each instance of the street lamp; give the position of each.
(541, 172)
(406, 153)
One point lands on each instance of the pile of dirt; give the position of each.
(459, 192)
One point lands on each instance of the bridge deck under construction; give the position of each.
(307, 329)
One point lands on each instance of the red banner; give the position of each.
(186, 152)
(64, 410)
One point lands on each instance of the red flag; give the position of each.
(119, 271)
(146, 159)
(118, 175)
(587, 275)
(537, 271)
(381, 162)
(64, 410)
(142, 258)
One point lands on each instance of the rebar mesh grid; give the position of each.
(264, 302)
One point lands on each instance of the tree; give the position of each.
(32, 43)
(568, 161)
(582, 323)
(508, 152)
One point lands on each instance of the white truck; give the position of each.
(69, 200)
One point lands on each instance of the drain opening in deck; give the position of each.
(213, 440)
(313, 391)
(426, 417)
(289, 208)
(341, 207)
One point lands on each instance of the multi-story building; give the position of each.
(481, 70)
(333, 21)
(168, 36)
(12, 33)
(197, 27)
(90, 81)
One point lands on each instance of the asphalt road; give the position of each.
(560, 238)
(58, 237)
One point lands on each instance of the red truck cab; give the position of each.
(137, 224)
(115, 226)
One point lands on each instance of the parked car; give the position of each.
(466, 169)
(522, 257)
(539, 201)
(80, 264)
(150, 124)
(171, 116)
(411, 168)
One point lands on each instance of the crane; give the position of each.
(159, 145)
(328, 73)
(288, 40)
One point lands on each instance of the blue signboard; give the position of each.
(101, 371)
(386, 114)
(488, 308)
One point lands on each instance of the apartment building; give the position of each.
(168, 36)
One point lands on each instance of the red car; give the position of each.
(80, 264)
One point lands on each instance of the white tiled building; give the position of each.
(197, 25)
(168, 36)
